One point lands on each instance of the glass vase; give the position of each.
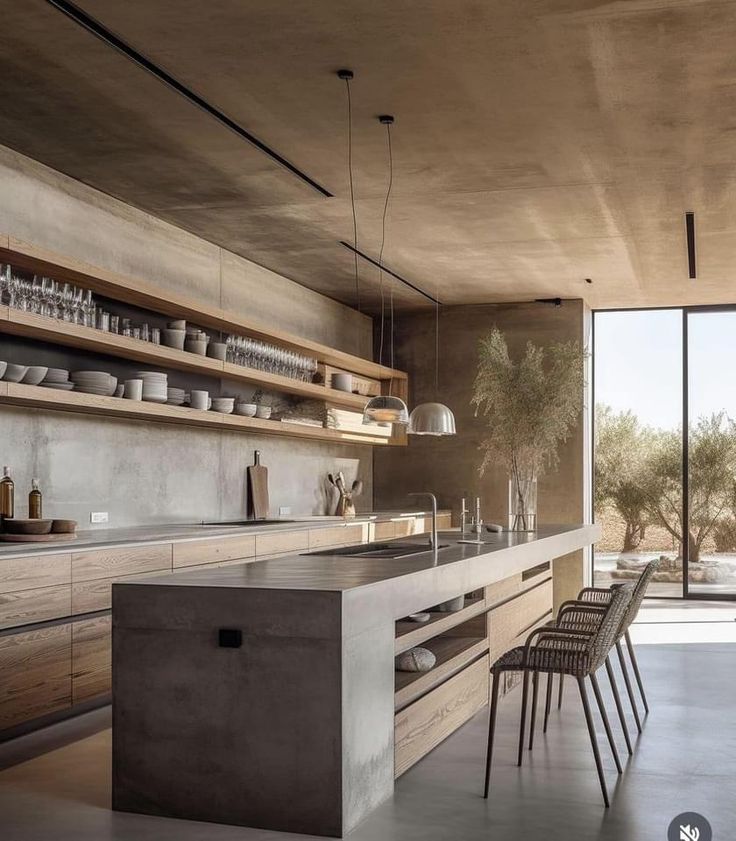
(522, 502)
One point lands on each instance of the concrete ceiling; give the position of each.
(536, 143)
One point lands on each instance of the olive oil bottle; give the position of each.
(7, 496)
(35, 502)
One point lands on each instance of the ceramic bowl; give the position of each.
(173, 338)
(63, 526)
(14, 373)
(217, 350)
(3, 366)
(13, 526)
(223, 404)
(247, 410)
(197, 346)
(35, 374)
(179, 324)
(263, 412)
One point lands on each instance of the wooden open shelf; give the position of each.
(452, 653)
(31, 325)
(139, 293)
(409, 634)
(71, 401)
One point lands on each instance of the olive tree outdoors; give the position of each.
(639, 472)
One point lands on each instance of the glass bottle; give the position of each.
(7, 495)
(35, 502)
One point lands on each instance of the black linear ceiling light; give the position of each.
(690, 237)
(94, 27)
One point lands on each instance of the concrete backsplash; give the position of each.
(142, 472)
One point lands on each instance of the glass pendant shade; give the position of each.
(431, 419)
(385, 409)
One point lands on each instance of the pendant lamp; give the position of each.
(433, 418)
(386, 408)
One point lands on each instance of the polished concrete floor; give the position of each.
(56, 783)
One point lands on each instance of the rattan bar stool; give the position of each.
(564, 650)
(601, 596)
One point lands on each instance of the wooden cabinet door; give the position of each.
(91, 658)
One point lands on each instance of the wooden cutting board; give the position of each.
(258, 489)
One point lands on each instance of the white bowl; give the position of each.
(3, 366)
(223, 404)
(263, 412)
(197, 346)
(56, 375)
(14, 373)
(247, 410)
(180, 324)
(35, 374)
(173, 338)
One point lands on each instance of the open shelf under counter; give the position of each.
(452, 653)
(116, 407)
(409, 634)
(44, 328)
(140, 293)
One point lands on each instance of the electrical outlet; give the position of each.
(98, 516)
(284, 511)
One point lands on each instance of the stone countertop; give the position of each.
(176, 532)
(330, 572)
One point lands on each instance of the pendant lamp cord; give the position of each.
(352, 192)
(380, 255)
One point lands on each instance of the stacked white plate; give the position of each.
(155, 386)
(175, 396)
(94, 382)
(58, 378)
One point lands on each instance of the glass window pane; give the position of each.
(638, 446)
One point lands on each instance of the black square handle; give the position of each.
(230, 637)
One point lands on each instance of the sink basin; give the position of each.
(241, 523)
(390, 551)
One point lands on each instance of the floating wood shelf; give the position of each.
(73, 401)
(31, 325)
(139, 293)
(409, 634)
(452, 653)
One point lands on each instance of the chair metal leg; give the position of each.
(559, 692)
(637, 675)
(535, 697)
(496, 678)
(627, 682)
(522, 721)
(593, 740)
(548, 699)
(606, 723)
(619, 705)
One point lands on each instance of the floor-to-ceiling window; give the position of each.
(665, 448)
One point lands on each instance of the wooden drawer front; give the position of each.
(283, 543)
(214, 550)
(336, 536)
(423, 725)
(504, 589)
(88, 596)
(512, 618)
(112, 563)
(383, 531)
(444, 521)
(25, 606)
(36, 674)
(91, 658)
(34, 571)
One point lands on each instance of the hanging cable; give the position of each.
(347, 76)
(386, 120)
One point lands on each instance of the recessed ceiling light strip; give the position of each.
(347, 76)
(99, 31)
(690, 234)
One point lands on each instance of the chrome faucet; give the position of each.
(433, 536)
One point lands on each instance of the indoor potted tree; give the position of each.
(530, 405)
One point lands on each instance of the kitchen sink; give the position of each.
(390, 551)
(241, 523)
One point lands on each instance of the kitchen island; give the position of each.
(265, 694)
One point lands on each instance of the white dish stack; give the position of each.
(155, 386)
(176, 396)
(58, 379)
(95, 382)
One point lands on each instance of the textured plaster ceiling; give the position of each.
(536, 143)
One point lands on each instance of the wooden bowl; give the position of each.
(63, 526)
(13, 526)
